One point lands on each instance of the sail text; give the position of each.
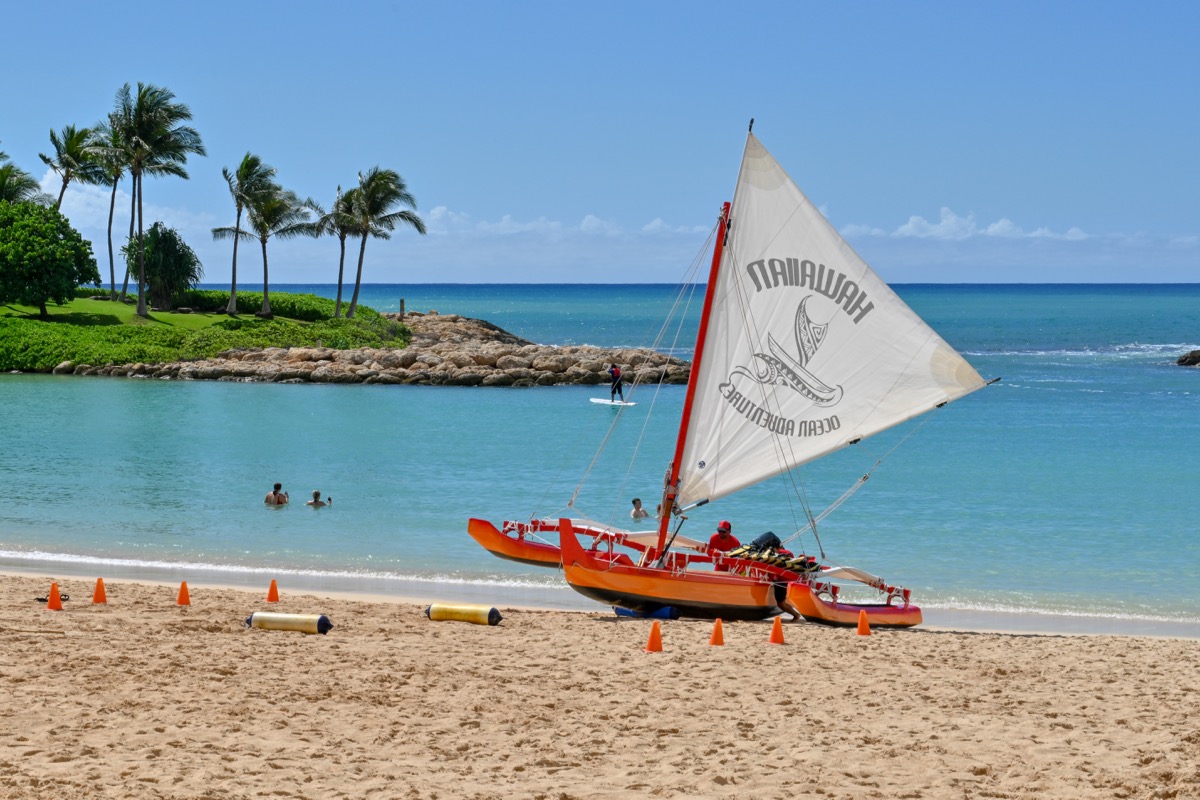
(772, 273)
(775, 422)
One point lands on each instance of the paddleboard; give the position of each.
(604, 402)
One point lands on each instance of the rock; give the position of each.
(446, 350)
(1191, 359)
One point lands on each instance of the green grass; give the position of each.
(102, 332)
(83, 311)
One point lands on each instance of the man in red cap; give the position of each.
(722, 541)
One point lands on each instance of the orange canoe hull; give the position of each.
(694, 593)
(513, 547)
(816, 609)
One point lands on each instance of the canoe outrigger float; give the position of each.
(802, 350)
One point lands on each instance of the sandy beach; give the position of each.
(141, 697)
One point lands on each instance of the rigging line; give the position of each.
(683, 297)
(858, 484)
(684, 292)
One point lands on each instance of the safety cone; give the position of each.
(273, 593)
(184, 599)
(99, 595)
(718, 634)
(655, 643)
(864, 627)
(777, 632)
(54, 601)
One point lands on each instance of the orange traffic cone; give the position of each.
(184, 598)
(718, 634)
(99, 595)
(655, 643)
(273, 593)
(864, 627)
(54, 601)
(777, 631)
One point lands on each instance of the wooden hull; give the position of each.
(514, 547)
(815, 609)
(694, 593)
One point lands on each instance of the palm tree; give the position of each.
(74, 158)
(281, 214)
(378, 192)
(339, 223)
(17, 185)
(248, 184)
(157, 143)
(110, 158)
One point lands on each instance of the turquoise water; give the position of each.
(1065, 489)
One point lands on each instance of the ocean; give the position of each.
(1060, 498)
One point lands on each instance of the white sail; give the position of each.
(807, 348)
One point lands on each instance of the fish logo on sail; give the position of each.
(781, 368)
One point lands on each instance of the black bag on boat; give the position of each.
(767, 541)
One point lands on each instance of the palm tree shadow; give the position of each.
(77, 318)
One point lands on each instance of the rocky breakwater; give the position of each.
(1190, 359)
(446, 350)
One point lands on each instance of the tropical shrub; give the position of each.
(42, 258)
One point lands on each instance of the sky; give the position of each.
(574, 142)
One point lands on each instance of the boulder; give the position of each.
(1191, 359)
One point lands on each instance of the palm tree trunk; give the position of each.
(141, 306)
(61, 192)
(266, 308)
(358, 278)
(132, 216)
(231, 307)
(337, 309)
(112, 272)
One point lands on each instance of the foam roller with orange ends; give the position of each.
(480, 615)
(302, 623)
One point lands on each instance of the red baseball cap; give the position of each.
(724, 525)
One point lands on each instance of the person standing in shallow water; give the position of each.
(638, 512)
(276, 497)
(614, 372)
(317, 502)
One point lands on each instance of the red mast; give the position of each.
(670, 489)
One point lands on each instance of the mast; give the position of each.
(672, 480)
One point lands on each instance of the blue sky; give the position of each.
(594, 142)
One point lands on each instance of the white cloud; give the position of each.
(461, 248)
(951, 227)
(594, 225)
(862, 230)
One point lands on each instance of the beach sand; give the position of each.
(142, 697)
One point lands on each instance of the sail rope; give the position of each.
(858, 484)
(673, 326)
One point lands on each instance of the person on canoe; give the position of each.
(723, 541)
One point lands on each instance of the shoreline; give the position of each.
(401, 591)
